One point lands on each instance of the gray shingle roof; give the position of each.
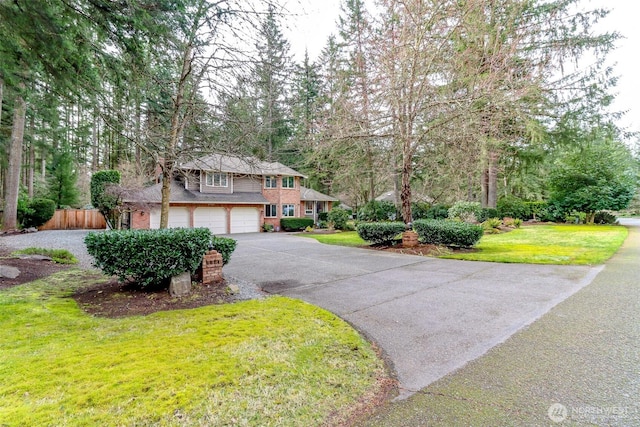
(179, 194)
(307, 194)
(239, 165)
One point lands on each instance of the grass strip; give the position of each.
(345, 238)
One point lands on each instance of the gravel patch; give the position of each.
(71, 240)
(247, 290)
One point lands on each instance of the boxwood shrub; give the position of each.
(150, 256)
(295, 224)
(449, 233)
(377, 233)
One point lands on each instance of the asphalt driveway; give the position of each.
(429, 316)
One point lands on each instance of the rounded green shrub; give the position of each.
(513, 207)
(295, 224)
(150, 256)
(376, 210)
(40, 211)
(449, 233)
(378, 233)
(438, 211)
(339, 218)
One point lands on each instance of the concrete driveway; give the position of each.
(429, 316)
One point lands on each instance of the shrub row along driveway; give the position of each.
(429, 316)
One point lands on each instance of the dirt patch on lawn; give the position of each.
(30, 269)
(115, 299)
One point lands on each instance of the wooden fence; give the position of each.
(74, 219)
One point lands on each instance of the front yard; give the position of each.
(535, 244)
(275, 361)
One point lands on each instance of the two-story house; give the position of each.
(229, 194)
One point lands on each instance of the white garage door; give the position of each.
(245, 220)
(215, 219)
(178, 217)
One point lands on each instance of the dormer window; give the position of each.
(217, 179)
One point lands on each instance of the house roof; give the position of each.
(179, 194)
(239, 165)
(307, 194)
(390, 196)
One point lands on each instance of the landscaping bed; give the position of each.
(112, 298)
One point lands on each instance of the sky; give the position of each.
(314, 20)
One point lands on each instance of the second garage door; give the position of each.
(215, 219)
(245, 220)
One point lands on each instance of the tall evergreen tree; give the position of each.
(62, 179)
(273, 72)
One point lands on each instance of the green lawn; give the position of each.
(345, 238)
(549, 244)
(275, 361)
(538, 244)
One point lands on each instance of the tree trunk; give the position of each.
(32, 159)
(484, 183)
(177, 125)
(12, 179)
(492, 184)
(407, 171)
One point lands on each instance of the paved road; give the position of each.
(429, 316)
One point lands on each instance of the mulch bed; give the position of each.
(115, 299)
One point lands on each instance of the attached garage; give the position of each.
(215, 219)
(178, 218)
(245, 220)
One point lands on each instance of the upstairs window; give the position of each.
(270, 182)
(288, 182)
(217, 179)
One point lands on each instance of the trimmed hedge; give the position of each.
(150, 256)
(295, 224)
(449, 233)
(377, 233)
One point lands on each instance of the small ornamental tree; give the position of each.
(598, 176)
(103, 200)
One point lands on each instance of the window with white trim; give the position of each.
(217, 179)
(288, 210)
(308, 208)
(270, 211)
(288, 182)
(270, 182)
